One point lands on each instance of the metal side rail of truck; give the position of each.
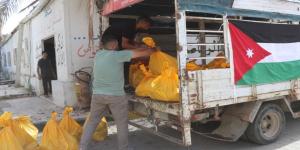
(256, 111)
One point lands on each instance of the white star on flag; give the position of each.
(250, 53)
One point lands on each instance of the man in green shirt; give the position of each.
(108, 89)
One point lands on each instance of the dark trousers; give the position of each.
(126, 72)
(47, 86)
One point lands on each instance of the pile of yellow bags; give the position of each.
(159, 61)
(135, 75)
(145, 87)
(55, 137)
(163, 84)
(66, 133)
(216, 63)
(20, 134)
(160, 79)
(192, 66)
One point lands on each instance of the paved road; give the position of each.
(38, 108)
(140, 140)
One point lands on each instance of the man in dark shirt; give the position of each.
(126, 34)
(45, 73)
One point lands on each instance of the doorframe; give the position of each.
(47, 38)
(43, 49)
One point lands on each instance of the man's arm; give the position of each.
(38, 72)
(127, 55)
(126, 44)
(141, 52)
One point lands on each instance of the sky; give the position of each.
(16, 18)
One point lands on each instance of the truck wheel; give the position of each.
(267, 126)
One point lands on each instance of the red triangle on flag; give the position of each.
(246, 52)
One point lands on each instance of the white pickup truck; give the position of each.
(255, 111)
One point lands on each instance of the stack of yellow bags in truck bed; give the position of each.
(159, 80)
(216, 63)
(136, 75)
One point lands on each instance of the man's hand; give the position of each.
(154, 49)
(143, 46)
(142, 52)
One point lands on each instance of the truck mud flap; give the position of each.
(234, 121)
(230, 129)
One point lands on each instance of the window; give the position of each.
(4, 59)
(8, 59)
(15, 56)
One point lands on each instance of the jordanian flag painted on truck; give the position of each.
(265, 53)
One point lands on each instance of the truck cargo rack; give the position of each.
(181, 110)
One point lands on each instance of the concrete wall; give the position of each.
(78, 55)
(26, 60)
(67, 22)
(49, 23)
(8, 57)
(77, 30)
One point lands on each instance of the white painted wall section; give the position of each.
(282, 6)
(77, 29)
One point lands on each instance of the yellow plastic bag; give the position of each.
(55, 138)
(158, 60)
(101, 131)
(6, 119)
(192, 66)
(70, 125)
(145, 87)
(137, 78)
(8, 141)
(24, 122)
(165, 87)
(149, 42)
(26, 141)
(218, 63)
(135, 75)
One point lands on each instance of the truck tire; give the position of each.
(267, 126)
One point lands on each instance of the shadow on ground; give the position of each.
(140, 140)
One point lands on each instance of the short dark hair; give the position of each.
(145, 19)
(108, 38)
(43, 52)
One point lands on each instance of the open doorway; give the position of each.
(49, 47)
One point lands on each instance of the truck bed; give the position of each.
(211, 88)
(170, 108)
(215, 87)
